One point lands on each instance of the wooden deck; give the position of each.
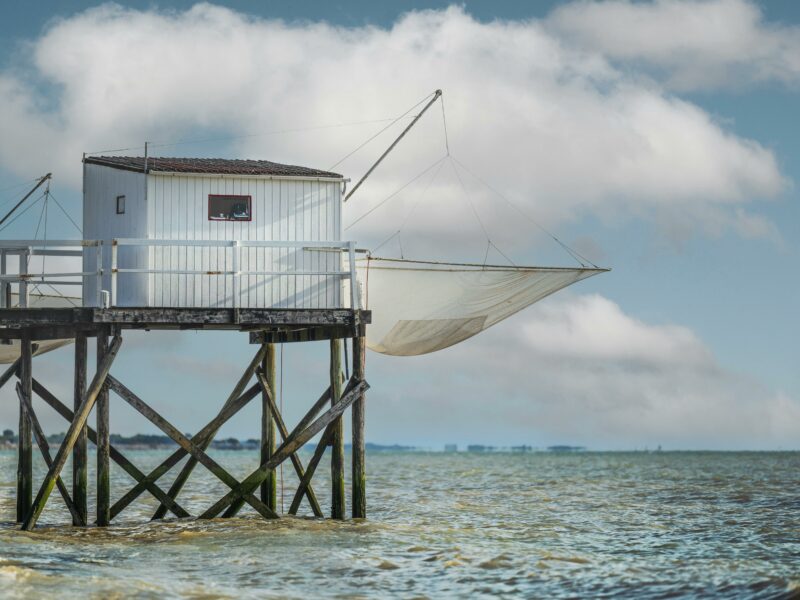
(277, 324)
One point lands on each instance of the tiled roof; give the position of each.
(211, 166)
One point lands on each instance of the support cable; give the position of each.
(280, 398)
(393, 194)
(66, 214)
(19, 214)
(582, 260)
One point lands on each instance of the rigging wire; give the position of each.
(19, 214)
(372, 137)
(582, 260)
(167, 144)
(71, 220)
(280, 397)
(393, 194)
(444, 122)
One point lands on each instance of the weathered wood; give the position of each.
(184, 318)
(269, 489)
(47, 332)
(202, 437)
(296, 462)
(156, 419)
(305, 480)
(337, 440)
(10, 372)
(203, 443)
(44, 448)
(24, 450)
(115, 454)
(232, 501)
(80, 469)
(359, 485)
(305, 334)
(72, 435)
(103, 439)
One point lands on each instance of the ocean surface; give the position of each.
(535, 525)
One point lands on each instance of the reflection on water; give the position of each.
(443, 525)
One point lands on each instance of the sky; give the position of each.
(658, 138)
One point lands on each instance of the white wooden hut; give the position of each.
(210, 233)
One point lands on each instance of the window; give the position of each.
(228, 208)
(120, 205)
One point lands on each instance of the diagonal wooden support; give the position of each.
(305, 480)
(203, 443)
(72, 435)
(115, 454)
(9, 372)
(174, 458)
(41, 441)
(185, 443)
(233, 502)
(298, 465)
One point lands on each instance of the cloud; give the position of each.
(694, 44)
(551, 123)
(581, 371)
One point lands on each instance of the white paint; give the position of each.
(175, 207)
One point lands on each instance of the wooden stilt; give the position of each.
(359, 489)
(24, 450)
(80, 471)
(296, 462)
(103, 439)
(44, 447)
(337, 441)
(270, 486)
(233, 500)
(183, 476)
(115, 454)
(71, 437)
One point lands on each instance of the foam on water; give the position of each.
(527, 525)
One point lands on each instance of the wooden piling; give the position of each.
(269, 489)
(103, 439)
(80, 472)
(24, 448)
(359, 489)
(337, 440)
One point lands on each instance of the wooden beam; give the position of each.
(156, 419)
(204, 442)
(337, 440)
(201, 437)
(10, 372)
(269, 488)
(359, 485)
(305, 334)
(50, 332)
(232, 501)
(24, 450)
(80, 467)
(115, 454)
(103, 439)
(44, 448)
(296, 462)
(305, 480)
(72, 435)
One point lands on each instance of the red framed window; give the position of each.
(226, 207)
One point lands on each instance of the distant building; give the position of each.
(562, 449)
(451, 447)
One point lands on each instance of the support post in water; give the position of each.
(24, 449)
(80, 472)
(337, 440)
(359, 469)
(269, 488)
(103, 439)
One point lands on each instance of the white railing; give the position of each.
(159, 273)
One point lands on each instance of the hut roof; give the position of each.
(211, 166)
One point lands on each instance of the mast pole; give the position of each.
(28, 195)
(436, 95)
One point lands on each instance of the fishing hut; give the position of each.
(202, 244)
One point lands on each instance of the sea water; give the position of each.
(441, 525)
